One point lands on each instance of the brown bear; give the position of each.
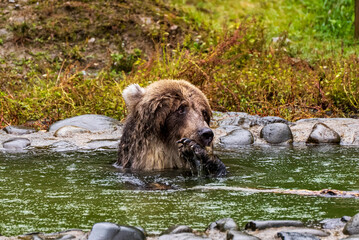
(167, 127)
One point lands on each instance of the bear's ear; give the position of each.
(133, 95)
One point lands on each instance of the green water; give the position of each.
(51, 192)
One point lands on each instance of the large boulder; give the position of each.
(19, 130)
(91, 122)
(276, 133)
(223, 225)
(258, 225)
(16, 144)
(334, 222)
(352, 227)
(236, 137)
(112, 231)
(69, 131)
(321, 133)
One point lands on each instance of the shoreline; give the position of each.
(232, 130)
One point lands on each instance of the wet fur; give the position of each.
(156, 121)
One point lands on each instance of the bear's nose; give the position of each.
(206, 136)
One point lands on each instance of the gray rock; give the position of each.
(237, 137)
(223, 225)
(90, 122)
(32, 236)
(321, 133)
(254, 225)
(352, 227)
(62, 146)
(352, 237)
(19, 130)
(334, 222)
(66, 237)
(103, 144)
(241, 119)
(276, 133)
(69, 131)
(16, 143)
(310, 231)
(177, 229)
(35, 237)
(269, 120)
(296, 236)
(112, 231)
(236, 235)
(322, 119)
(181, 236)
(68, 234)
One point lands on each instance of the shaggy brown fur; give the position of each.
(160, 115)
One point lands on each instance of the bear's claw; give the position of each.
(199, 159)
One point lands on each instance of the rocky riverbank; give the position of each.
(232, 130)
(223, 229)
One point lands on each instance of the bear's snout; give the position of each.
(206, 136)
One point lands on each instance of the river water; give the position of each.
(49, 191)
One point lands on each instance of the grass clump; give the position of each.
(243, 73)
(76, 57)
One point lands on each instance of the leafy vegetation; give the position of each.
(288, 58)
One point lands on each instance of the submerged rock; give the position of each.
(91, 122)
(236, 235)
(258, 225)
(66, 235)
(182, 236)
(321, 133)
(19, 130)
(296, 236)
(352, 227)
(177, 229)
(16, 143)
(334, 222)
(223, 225)
(112, 231)
(352, 237)
(276, 133)
(308, 231)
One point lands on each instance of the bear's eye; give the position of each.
(182, 109)
(206, 117)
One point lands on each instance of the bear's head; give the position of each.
(158, 116)
(169, 110)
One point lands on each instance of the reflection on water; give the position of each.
(56, 191)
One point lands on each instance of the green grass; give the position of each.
(315, 28)
(78, 56)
